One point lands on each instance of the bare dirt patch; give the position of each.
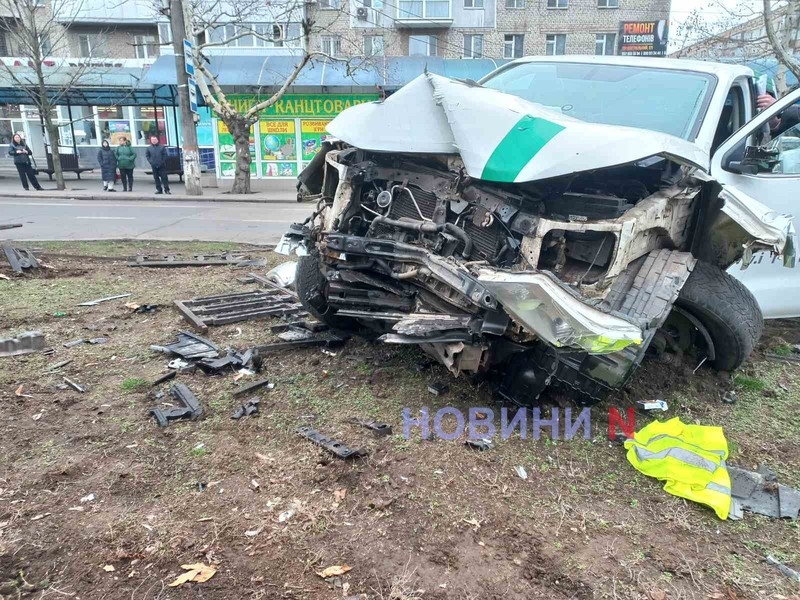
(414, 519)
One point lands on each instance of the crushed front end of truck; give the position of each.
(546, 251)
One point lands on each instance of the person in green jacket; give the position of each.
(126, 161)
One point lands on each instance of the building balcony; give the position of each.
(424, 14)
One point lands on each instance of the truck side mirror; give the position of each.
(738, 166)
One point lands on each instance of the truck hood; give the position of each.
(500, 137)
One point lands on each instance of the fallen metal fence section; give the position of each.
(240, 306)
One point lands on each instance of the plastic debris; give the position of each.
(653, 405)
(521, 472)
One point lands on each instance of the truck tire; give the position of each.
(727, 310)
(311, 286)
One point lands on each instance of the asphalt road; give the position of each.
(56, 219)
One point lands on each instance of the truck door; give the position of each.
(768, 170)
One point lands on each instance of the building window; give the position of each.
(424, 9)
(331, 45)
(604, 43)
(164, 34)
(45, 47)
(422, 45)
(373, 45)
(146, 46)
(558, 3)
(4, 47)
(513, 45)
(473, 3)
(556, 44)
(85, 46)
(607, 3)
(515, 3)
(330, 4)
(473, 46)
(148, 121)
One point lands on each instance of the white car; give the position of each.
(555, 222)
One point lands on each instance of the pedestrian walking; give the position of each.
(126, 161)
(108, 166)
(22, 156)
(157, 157)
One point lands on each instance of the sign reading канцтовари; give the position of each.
(643, 38)
(288, 135)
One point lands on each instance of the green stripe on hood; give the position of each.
(518, 147)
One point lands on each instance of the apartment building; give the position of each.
(496, 29)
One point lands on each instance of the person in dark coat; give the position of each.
(126, 161)
(157, 157)
(21, 153)
(108, 166)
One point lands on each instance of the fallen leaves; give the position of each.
(197, 572)
(334, 571)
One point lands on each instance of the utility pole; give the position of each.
(191, 155)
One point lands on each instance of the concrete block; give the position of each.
(25, 343)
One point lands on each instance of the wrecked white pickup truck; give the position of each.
(551, 224)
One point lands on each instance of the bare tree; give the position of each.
(37, 33)
(215, 23)
(745, 32)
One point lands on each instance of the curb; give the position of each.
(65, 195)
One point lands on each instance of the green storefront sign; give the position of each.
(289, 133)
(302, 105)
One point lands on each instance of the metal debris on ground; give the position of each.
(283, 275)
(379, 429)
(252, 262)
(438, 388)
(176, 260)
(653, 405)
(24, 343)
(74, 386)
(164, 378)
(141, 308)
(20, 258)
(232, 361)
(10, 225)
(729, 397)
(327, 338)
(245, 279)
(190, 407)
(58, 365)
(293, 334)
(759, 492)
(98, 340)
(240, 306)
(251, 387)
(189, 346)
(481, 444)
(334, 447)
(106, 299)
(247, 409)
(313, 326)
(178, 363)
(789, 572)
(74, 343)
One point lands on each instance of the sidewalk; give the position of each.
(90, 187)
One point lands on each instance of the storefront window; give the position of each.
(148, 121)
(84, 126)
(10, 122)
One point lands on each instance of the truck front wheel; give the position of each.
(728, 312)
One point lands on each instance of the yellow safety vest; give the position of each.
(690, 458)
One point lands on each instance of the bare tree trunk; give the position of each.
(52, 134)
(240, 130)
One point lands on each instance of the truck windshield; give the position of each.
(662, 100)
